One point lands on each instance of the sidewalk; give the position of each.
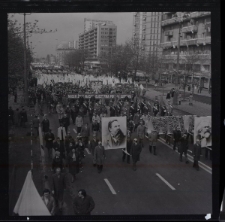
(20, 159)
(167, 87)
(198, 108)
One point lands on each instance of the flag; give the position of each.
(29, 202)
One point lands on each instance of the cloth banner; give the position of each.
(97, 96)
(186, 120)
(114, 131)
(29, 202)
(203, 127)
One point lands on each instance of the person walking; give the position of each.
(92, 144)
(79, 123)
(197, 152)
(85, 133)
(65, 122)
(45, 124)
(36, 124)
(99, 155)
(83, 204)
(184, 147)
(176, 137)
(141, 133)
(153, 139)
(49, 201)
(62, 135)
(135, 152)
(58, 186)
(49, 138)
(57, 161)
(73, 162)
(129, 143)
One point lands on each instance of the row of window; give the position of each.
(195, 67)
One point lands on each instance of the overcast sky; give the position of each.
(69, 26)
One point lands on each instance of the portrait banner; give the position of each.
(96, 85)
(203, 128)
(114, 132)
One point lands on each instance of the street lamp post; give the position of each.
(25, 58)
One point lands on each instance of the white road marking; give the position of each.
(110, 186)
(166, 182)
(202, 165)
(87, 150)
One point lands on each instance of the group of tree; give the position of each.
(16, 49)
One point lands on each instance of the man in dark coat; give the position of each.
(83, 204)
(176, 137)
(99, 156)
(65, 121)
(197, 153)
(58, 146)
(183, 147)
(92, 144)
(129, 143)
(49, 138)
(58, 186)
(45, 124)
(135, 152)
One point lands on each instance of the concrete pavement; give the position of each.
(198, 108)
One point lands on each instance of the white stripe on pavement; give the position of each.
(110, 186)
(87, 150)
(202, 165)
(74, 131)
(167, 183)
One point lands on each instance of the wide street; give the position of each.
(161, 185)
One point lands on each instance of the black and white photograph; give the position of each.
(110, 113)
(114, 132)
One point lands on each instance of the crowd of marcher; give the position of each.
(85, 114)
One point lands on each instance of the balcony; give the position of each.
(168, 44)
(186, 42)
(169, 33)
(206, 40)
(191, 28)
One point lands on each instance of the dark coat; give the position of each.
(49, 137)
(177, 135)
(95, 126)
(57, 162)
(129, 144)
(92, 145)
(183, 145)
(45, 125)
(83, 206)
(36, 123)
(65, 121)
(58, 185)
(196, 152)
(135, 152)
(99, 155)
(73, 164)
(85, 132)
(50, 205)
(58, 147)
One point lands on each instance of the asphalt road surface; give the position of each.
(161, 185)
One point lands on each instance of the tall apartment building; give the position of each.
(90, 24)
(147, 35)
(98, 40)
(195, 45)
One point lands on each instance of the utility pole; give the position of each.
(25, 58)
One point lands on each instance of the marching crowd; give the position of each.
(85, 114)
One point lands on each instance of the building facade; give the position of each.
(89, 24)
(147, 34)
(98, 40)
(193, 45)
(62, 49)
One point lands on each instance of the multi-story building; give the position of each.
(98, 40)
(147, 35)
(195, 46)
(62, 49)
(90, 24)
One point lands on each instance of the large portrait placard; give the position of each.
(114, 131)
